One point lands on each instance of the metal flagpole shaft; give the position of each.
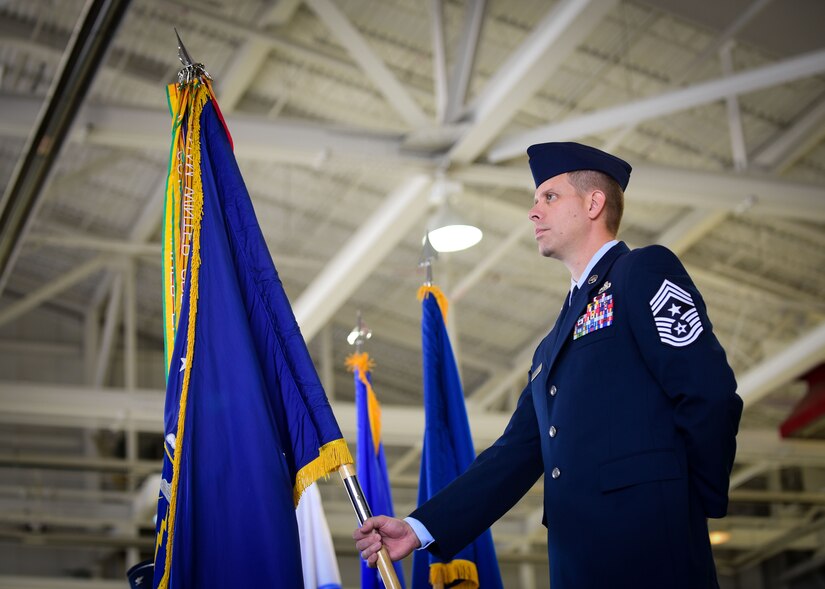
(362, 512)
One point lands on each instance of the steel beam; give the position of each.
(553, 39)
(87, 48)
(783, 150)
(778, 369)
(373, 241)
(725, 191)
(737, 135)
(19, 460)
(112, 408)
(465, 59)
(70, 540)
(258, 138)
(690, 229)
(713, 191)
(308, 144)
(488, 263)
(280, 13)
(375, 69)
(809, 64)
(439, 60)
(725, 37)
(241, 72)
(110, 323)
(100, 244)
(130, 318)
(47, 291)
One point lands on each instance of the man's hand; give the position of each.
(394, 534)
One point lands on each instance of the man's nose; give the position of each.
(533, 214)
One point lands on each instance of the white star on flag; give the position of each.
(182, 364)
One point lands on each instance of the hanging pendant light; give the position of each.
(447, 230)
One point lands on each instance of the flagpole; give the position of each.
(362, 512)
(357, 337)
(428, 254)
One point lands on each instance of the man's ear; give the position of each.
(596, 204)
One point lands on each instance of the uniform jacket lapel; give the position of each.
(545, 346)
(568, 316)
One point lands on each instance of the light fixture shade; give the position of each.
(448, 232)
(454, 238)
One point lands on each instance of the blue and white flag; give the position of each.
(317, 552)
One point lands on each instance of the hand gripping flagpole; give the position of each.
(356, 338)
(362, 512)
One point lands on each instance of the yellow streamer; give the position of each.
(425, 290)
(362, 363)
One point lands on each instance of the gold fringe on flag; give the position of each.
(198, 98)
(331, 456)
(464, 571)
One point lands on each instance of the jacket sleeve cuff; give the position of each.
(421, 531)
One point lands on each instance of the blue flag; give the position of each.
(448, 452)
(371, 466)
(247, 424)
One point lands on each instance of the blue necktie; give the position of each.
(573, 295)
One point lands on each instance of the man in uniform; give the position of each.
(630, 409)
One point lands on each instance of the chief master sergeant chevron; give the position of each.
(630, 408)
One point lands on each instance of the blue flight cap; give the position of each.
(141, 575)
(551, 159)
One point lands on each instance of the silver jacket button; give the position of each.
(556, 473)
(553, 431)
(553, 391)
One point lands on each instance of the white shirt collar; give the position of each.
(593, 261)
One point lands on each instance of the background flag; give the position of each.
(247, 424)
(317, 552)
(370, 462)
(448, 451)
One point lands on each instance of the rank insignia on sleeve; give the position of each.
(599, 314)
(675, 315)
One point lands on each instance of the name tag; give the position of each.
(535, 373)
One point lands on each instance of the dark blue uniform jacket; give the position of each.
(631, 414)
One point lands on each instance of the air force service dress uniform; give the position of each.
(631, 414)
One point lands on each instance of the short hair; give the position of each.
(587, 180)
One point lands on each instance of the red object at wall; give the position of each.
(811, 408)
